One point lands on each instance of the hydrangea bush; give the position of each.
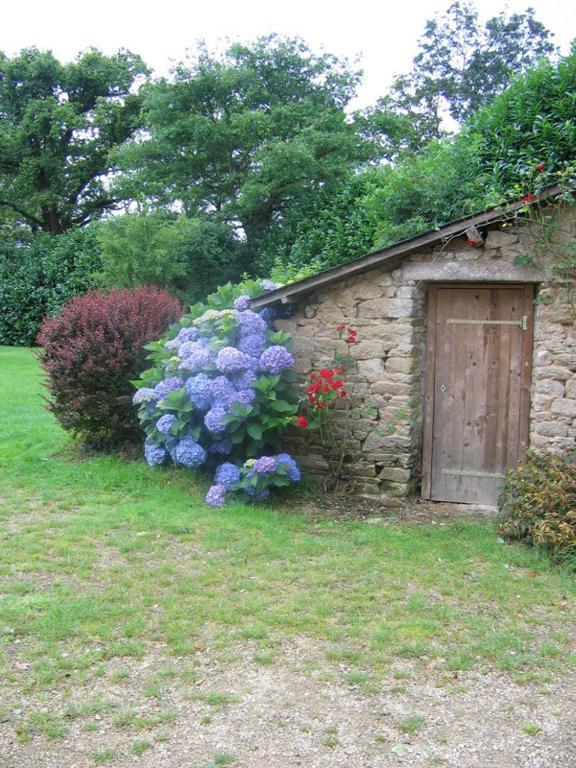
(220, 393)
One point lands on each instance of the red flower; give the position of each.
(342, 393)
(470, 241)
(540, 167)
(341, 327)
(529, 197)
(352, 332)
(302, 422)
(351, 340)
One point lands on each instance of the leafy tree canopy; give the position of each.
(249, 136)
(461, 66)
(58, 126)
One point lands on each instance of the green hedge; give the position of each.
(36, 278)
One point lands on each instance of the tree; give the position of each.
(188, 256)
(248, 137)
(462, 65)
(59, 124)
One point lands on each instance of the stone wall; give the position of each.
(387, 306)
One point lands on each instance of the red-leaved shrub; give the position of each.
(92, 350)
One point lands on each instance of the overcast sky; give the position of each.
(382, 34)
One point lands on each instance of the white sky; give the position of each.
(383, 34)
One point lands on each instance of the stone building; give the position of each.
(466, 355)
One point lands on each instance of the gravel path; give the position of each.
(298, 712)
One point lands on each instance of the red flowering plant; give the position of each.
(325, 393)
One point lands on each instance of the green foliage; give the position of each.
(188, 256)
(336, 229)
(445, 181)
(531, 122)
(58, 126)
(249, 138)
(538, 503)
(37, 277)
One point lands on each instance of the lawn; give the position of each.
(110, 570)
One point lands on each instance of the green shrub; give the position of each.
(538, 503)
(37, 277)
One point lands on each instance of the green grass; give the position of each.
(100, 557)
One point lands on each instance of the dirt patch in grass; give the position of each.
(297, 709)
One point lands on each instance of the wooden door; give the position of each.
(478, 384)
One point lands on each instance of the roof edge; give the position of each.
(397, 250)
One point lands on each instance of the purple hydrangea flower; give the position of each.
(242, 397)
(227, 474)
(265, 465)
(293, 472)
(165, 423)
(223, 447)
(244, 380)
(221, 389)
(276, 359)
(242, 302)
(189, 453)
(230, 360)
(143, 395)
(163, 389)
(252, 345)
(216, 495)
(251, 324)
(199, 390)
(155, 454)
(213, 419)
(197, 359)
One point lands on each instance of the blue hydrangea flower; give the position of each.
(143, 395)
(276, 359)
(268, 315)
(184, 335)
(230, 360)
(244, 380)
(221, 389)
(293, 471)
(197, 359)
(242, 303)
(213, 419)
(165, 423)
(163, 389)
(252, 345)
(251, 324)
(265, 465)
(224, 447)
(199, 390)
(227, 474)
(242, 397)
(155, 454)
(189, 453)
(268, 285)
(170, 444)
(263, 494)
(216, 495)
